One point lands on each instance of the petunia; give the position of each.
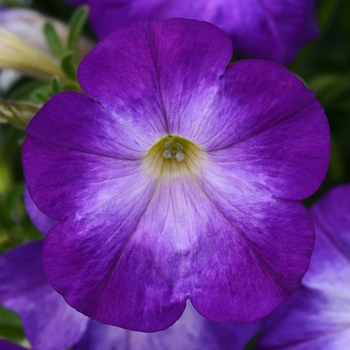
(318, 315)
(270, 29)
(176, 176)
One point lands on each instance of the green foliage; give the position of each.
(17, 113)
(53, 40)
(252, 342)
(10, 326)
(68, 66)
(55, 85)
(76, 24)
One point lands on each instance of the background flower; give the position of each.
(140, 234)
(270, 29)
(318, 315)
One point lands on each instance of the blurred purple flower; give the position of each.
(269, 29)
(318, 315)
(176, 176)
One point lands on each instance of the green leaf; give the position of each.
(326, 11)
(53, 40)
(24, 90)
(68, 66)
(253, 341)
(40, 97)
(55, 85)
(331, 89)
(17, 113)
(76, 24)
(337, 163)
(10, 325)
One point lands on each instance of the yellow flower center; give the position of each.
(174, 156)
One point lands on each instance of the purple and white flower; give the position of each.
(217, 220)
(318, 315)
(269, 29)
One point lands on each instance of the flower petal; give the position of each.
(142, 254)
(132, 68)
(268, 127)
(254, 253)
(25, 290)
(311, 319)
(76, 121)
(98, 181)
(332, 247)
(41, 221)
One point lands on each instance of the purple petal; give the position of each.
(94, 130)
(86, 159)
(269, 29)
(261, 245)
(318, 315)
(311, 319)
(191, 331)
(266, 125)
(131, 73)
(6, 345)
(137, 282)
(331, 215)
(48, 321)
(41, 221)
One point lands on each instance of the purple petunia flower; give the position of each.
(318, 315)
(176, 176)
(269, 29)
(51, 324)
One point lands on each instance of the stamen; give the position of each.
(174, 156)
(173, 151)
